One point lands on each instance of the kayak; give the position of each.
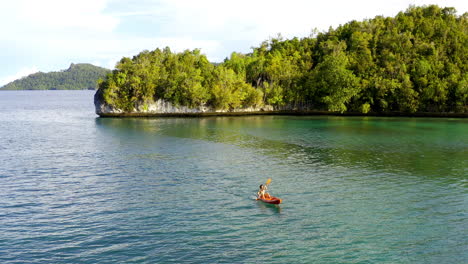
(271, 200)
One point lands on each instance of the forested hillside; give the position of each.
(76, 77)
(416, 61)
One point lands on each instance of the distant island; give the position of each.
(80, 76)
(410, 64)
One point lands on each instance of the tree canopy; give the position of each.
(77, 77)
(413, 62)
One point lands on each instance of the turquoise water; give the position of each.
(75, 188)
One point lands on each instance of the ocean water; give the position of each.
(75, 188)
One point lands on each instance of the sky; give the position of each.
(49, 35)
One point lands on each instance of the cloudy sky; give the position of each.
(48, 35)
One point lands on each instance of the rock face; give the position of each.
(161, 108)
(101, 107)
(164, 108)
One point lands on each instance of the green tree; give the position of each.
(415, 61)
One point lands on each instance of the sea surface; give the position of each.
(76, 188)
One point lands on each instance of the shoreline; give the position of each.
(285, 112)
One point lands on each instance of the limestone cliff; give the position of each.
(162, 108)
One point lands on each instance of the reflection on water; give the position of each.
(413, 146)
(79, 189)
(269, 208)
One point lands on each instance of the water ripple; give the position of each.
(79, 189)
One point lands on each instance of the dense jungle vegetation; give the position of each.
(77, 77)
(413, 62)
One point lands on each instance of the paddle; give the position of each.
(267, 182)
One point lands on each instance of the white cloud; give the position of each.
(114, 47)
(50, 15)
(21, 73)
(251, 21)
(265, 17)
(53, 33)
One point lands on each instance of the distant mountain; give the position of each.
(81, 76)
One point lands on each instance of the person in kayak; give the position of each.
(262, 193)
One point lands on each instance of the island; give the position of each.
(80, 76)
(415, 63)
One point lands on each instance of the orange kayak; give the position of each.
(270, 200)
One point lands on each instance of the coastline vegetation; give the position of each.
(80, 76)
(414, 62)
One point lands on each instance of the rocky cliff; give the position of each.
(164, 108)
